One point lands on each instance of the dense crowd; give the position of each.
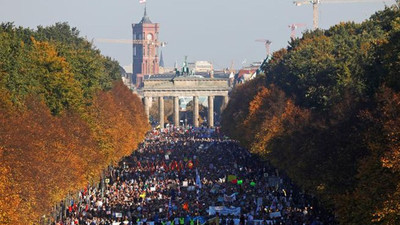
(192, 176)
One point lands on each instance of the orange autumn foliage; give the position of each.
(389, 109)
(9, 198)
(64, 116)
(112, 117)
(44, 157)
(272, 114)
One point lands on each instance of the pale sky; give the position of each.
(215, 30)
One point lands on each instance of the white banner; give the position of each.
(222, 210)
(275, 214)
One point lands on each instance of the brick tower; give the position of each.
(145, 49)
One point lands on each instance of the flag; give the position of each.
(259, 204)
(214, 189)
(169, 208)
(185, 206)
(231, 178)
(198, 181)
(190, 164)
(142, 1)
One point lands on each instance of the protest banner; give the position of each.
(222, 210)
(275, 214)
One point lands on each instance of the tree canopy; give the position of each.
(64, 116)
(327, 113)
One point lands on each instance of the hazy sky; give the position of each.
(216, 30)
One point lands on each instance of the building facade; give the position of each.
(145, 49)
(203, 67)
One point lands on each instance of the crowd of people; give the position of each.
(192, 176)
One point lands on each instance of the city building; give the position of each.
(126, 77)
(200, 67)
(145, 49)
(246, 73)
(249, 72)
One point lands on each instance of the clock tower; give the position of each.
(145, 49)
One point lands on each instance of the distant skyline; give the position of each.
(214, 30)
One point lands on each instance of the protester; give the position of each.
(186, 176)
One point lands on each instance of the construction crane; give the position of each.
(315, 4)
(267, 44)
(293, 27)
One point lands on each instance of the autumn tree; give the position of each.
(64, 116)
(327, 114)
(238, 108)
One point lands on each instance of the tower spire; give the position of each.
(161, 60)
(145, 18)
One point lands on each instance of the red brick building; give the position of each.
(145, 49)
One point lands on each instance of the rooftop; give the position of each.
(145, 18)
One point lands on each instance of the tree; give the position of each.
(238, 107)
(327, 115)
(57, 84)
(64, 116)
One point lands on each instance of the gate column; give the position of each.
(176, 111)
(147, 107)
(211, 111)
(196, 111)
(225, 102)
(161, 110)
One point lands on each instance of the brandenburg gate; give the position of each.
(185, 87)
